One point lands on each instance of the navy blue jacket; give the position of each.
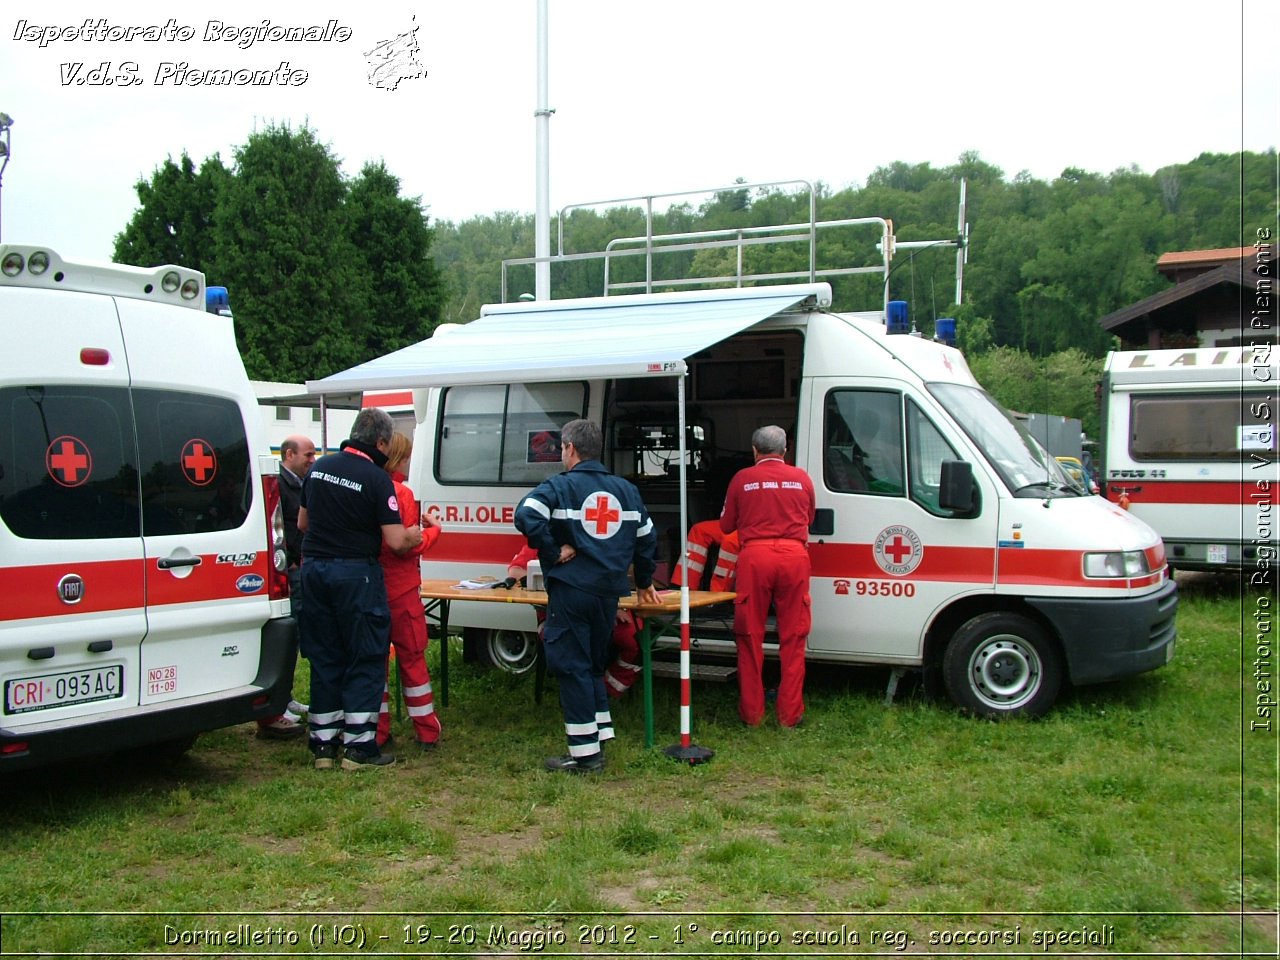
(290, 499)
(602, 517)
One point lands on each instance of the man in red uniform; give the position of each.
(771, 505)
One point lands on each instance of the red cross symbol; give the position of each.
(897, 549)
(198, 462)
(65, 458)
(602, 513)
(946, 362)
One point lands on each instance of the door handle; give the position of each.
(824, 522)
(169, 563)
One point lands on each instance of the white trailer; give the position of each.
(1189, 445)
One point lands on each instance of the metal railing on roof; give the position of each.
(650, 244)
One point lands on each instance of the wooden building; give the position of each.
(1214, 294)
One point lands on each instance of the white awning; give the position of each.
(631, 336)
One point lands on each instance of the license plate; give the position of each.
(63, 689)
(1217, 553)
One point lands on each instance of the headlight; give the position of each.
(1114, 566)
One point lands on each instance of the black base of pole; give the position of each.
(692, 754)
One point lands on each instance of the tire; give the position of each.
(1001, 665)
(511, 651)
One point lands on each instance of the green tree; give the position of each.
(300, 299)
(1046, 261)
(392, 243)
(1011, 376)
(174, 219)
(470, 254)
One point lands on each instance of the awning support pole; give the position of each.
(685, 750)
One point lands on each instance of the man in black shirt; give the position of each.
(348, 508)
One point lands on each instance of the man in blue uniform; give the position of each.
(348, 508)
(588, 527)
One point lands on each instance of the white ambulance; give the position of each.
(946, 536)
(1189, 446)
(141, 540)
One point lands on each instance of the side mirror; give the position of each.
(956, 490)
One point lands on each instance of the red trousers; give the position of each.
(626, 667)
(409, 639)
(622, 673)
(777, 572)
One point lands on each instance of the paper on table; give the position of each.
(476, 583)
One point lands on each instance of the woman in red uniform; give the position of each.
(403, 574)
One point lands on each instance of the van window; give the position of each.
(505, 433)
(862, 442)
(68, 469)
(1199, 426)
(926, 449)
(1022, 462)
(195, 456)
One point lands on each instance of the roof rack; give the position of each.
(738, 239)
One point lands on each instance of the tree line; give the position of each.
(327, 271)
(324, 271)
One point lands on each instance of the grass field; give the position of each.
(1138, 817)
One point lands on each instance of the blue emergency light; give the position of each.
(945, 330)
(217, 301)
(895, 319)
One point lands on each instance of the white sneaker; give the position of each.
(298, 708)
(293, 717)
(282, 728)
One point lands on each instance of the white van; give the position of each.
(946, 537)
(141, 540)
(1189, 441)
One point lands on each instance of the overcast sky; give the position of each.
(660, 96)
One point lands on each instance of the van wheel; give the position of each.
(1002, 664)
(511, 651)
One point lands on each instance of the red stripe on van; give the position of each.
(475, 548)
(108, 585)
(1057, 568)
(1043, 567)
(1018, 566)
(948, 564)
(209, 581)
(118, 585)
(400, 398)
(1197, 492)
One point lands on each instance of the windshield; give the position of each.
(1025, 466)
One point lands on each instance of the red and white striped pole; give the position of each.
(685, 750)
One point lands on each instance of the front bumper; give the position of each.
(1110, 639)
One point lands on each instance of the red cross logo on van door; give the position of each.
(68, 461)
(601, 515)
(898, 550)
(199, 463)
